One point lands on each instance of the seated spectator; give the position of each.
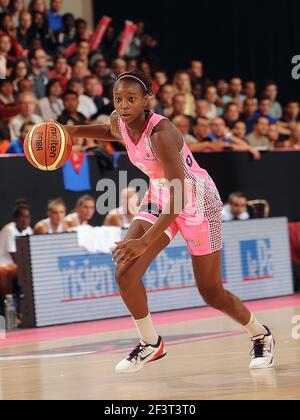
(80, 69)
(273, 135)
(183, 125)
(222, 88)
(291, 113)
(271, 92)
(249, 112)
(202, 109)
(82, 33)
(92, 87)
(40, 31)
(5, 49)
(104, 74)
(61, 71)
(84, 212)
(16, 146)
(179, 107)
(39, 72)
(197, 91)
(258, 138)
(8, 108)
(23, 32)
(236, 209)
(132, 64)
(25, 86)
(196, 73)
(66, 36)
(239, 130)
(250, 90)
(8, 247)
(86, 105)
(294, 139)
(51, 107)
(211, 96)
(165, 100)
(201, 129)
(160, 79)
(4, 6)
(182, 84)
(124, 215)
(231, 114)
(70, 115)
(8, 28)
(264, 107)
(55, 221)
(27, 103)
(16, 8)
(20, 72)
(235, 93)
(54, 16)
(37, 6)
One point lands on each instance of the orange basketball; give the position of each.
(47, 146)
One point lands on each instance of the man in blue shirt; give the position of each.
(16, 146)
(264, 107)
(54, 17)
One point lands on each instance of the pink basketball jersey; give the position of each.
(142, 155)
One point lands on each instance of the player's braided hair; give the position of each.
(138, 76)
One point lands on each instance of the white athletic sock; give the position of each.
(254, 328)
(146, 330)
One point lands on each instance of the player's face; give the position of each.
(23, 220)
(57, 214)
(129, 100)
(87, 210)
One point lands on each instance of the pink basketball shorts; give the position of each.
(202, 232)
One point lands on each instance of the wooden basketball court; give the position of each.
(208, 358)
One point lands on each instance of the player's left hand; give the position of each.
(127, 251)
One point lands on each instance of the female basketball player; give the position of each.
(192, 207)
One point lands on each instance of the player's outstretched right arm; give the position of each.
(109, 132)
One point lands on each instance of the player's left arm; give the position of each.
(165, 143)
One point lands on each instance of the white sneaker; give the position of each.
(142, 354)
(262, 351)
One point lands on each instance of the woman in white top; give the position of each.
(55, 221)
(84, 212)
(51, 107)
(124, 215)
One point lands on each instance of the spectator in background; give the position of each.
(5, 48)
(66, 36)
(249, 113)
(82, 53)
(27, 103)
(271, 92)
(55, 222)
(6, 93)
(2, 67)
(201, 129)
(239, 130)
(16, 146)
(195, 72)
(54, 16)
(37, 6)
(182, 84)
(4, 138)
(104, 74)
(211, 96)
(8, 247)
(250, 90)
(61, 71)
(70, 115)
(86, 105)
(124, 215)
(4, 6)
(40, 31)
(235, 92)
(16, 8)
(25, 86)
(222, 88)
(197, 91)
(132, 64)
(51, 107)
(231, 114)
(258, 138)
(20, 72)
(165, 100)
(160, 79)
(179, 108)
(294, 139)
(80, 69)
(24, 36)
(236, 209)
(183, 125)
(291, 113)
(81, 30)
(39, 72)
(84, 212)
(203, 109)
(273, 135)
(264, 107)
(92, 88)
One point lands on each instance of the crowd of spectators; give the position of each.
(53, 73)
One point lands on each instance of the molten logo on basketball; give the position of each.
(53, 142)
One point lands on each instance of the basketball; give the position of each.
(47, 146)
